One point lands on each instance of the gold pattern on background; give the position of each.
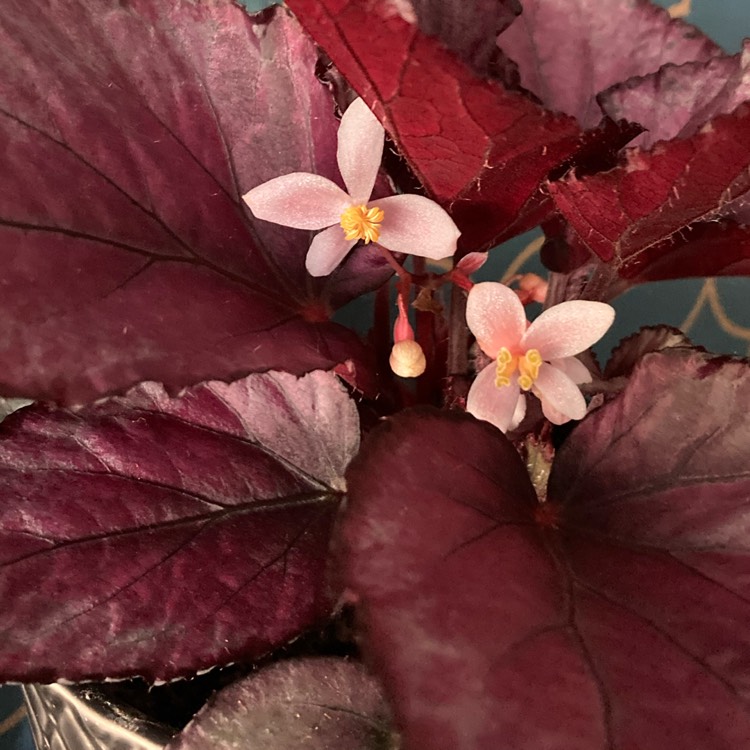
(522, 258)
(13, 720)
(680, 9)
(710, 296)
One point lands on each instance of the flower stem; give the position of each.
(457, 383)
(401, 272)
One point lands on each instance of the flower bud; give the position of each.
(407, 359)
(534, 288)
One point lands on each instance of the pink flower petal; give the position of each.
(360, 150)
(496, 405)
(327, 250)
(568, 328)
(299, 200)
(519, 413)
(573, 368)
(554, 416)
(495, 316)
(559, 395)
(416, 225)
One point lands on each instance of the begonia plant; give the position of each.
(443, 525)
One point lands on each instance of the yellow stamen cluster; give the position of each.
(527, 365)
(362, 223)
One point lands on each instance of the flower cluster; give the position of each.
(539, 359)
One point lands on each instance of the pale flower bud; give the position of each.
(407, 359)
(534, 287)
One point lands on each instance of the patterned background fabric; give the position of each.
(714, 312)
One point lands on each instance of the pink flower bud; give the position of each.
(534, 287)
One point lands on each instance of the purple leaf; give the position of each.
(677, 100)
(630, 351)
(311, 704)
(568, 52)
(615, 615)
(159, 536)
(467, 27)
(130, 133)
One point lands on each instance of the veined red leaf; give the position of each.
(160, 536)
(655, 194)
(615, 615)
(480, 150)
(676, 206)
(129, 133)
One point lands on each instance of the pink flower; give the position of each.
(537, 357)
(402, 223)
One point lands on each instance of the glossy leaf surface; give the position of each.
(613, 616)
(160, 536)
(479, 150)
(130, 133)
(311, 704)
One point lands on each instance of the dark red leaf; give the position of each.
(642, 205)
(311, 704)
(616, 615)
(715, 248)
(159, 536)
(129, 134)
(478, 149)
(569, 52)
(467, 27)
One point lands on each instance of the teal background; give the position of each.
(715, 314)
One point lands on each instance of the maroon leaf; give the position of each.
(715, 248)
(615, 615)
(159, 536)
(630, 351)
(653, 492)
(129, 134)
(641, 205)
(668, 236)
(314, 704)
(441, 505)
(569, 52)
(467, 27)
(479, 150)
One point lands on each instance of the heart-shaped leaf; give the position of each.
(615, 615)
(567, 53)
(159, 536)
(311, 704)
(129, 134)
(478, 149)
